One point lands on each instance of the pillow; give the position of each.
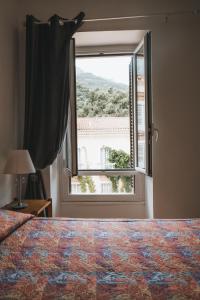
(10, 221)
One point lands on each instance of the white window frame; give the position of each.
(136, 196)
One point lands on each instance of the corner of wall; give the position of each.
(149, 197)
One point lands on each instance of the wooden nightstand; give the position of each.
(37, 207)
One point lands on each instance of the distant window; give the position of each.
(140, 116)
(141, 154)
(106, 188)
(79, 157)
(82, 157)
(76, 188)
(104, 153)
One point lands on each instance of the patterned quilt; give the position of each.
(10, 220)
(101, 259)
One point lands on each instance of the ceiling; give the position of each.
(100, 38)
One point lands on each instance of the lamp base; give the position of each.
(19, 205)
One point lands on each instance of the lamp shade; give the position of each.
(19, 162)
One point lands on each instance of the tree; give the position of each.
(101, 103)
(86, 181)
(120, 160)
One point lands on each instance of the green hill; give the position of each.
(93, 82)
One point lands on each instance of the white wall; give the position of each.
(176, 114)
(176, 90)
(103, 210)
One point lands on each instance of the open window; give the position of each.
(141, 86)
(109, 127)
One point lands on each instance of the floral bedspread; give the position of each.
(102, 260)
(10, 220)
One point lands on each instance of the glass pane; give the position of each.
(140, 108)
(102, 185)
(103, 121)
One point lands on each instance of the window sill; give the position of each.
(103, 203)
(103, 198)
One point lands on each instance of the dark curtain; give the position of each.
(47, 91)
(35, 188)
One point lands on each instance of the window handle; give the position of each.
(155, 132)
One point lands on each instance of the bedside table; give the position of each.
(37, 207)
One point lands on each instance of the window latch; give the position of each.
(155, 132)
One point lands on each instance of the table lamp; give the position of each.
(19, 163)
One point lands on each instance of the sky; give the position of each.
(117, 67)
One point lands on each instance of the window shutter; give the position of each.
(131, 112)
(141, 72)
(148, 87)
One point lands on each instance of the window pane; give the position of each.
(140, 108)
(103, 121)
(102, 185)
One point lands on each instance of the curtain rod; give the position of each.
(164, 14)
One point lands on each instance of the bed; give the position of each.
(87, 259)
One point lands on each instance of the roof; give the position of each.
(103, 123)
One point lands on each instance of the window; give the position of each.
(104, 157)
(112, 127)
(103, 125)
(143, 118)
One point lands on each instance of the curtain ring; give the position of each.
(61, 23)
